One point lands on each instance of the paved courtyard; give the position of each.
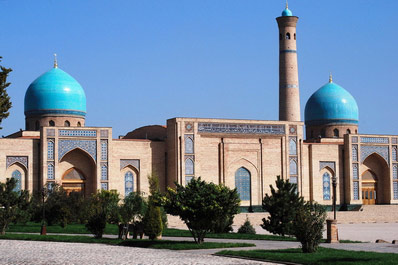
(34, 252)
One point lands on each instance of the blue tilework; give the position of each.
(90, 146)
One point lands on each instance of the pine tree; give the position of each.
(5, 103)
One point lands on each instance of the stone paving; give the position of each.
(35, 252)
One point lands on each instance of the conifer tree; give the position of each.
(5, 103)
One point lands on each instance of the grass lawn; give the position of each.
(159, 244)
(321, 257)
(111, 229)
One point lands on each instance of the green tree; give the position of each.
(5, 103)
(131, 211)
(309, 225)
(13, 204)
(247, 228)
(282, 206)
(153, 225)
(103, 209)
(200, 205)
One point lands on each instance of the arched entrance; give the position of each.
(73, 181)
(369, 187)
(375, 180)
(79, 172)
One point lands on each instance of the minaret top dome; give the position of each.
(287, 12)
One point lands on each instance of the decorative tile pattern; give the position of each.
(394, 140)
(395, 172)
(18, 176)
(90, 146)
(189, 146)
(330, 164)
(394, 153)
(354, 153)
(292, 145)
(50, 170)
(355, 173)
(50, 132)
(293, 166)
(240, 128)
(130, 162)
(395, 190)
(367, 150)
(104, 150)
(14, 159)
(326, 186)
(354, 139)
(355, 188)
(104, 133)
(378, 140)
(293, 129)
(128, 183)
(78, 133)
(104, 171)
(188, 126)
(189, 167)
(242, 183)
(50, 149)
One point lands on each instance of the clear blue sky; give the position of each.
(142, 62)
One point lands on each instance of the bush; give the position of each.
(96, 224)
(247, 228)
(309, 225)
(200, 205)
(281, 206)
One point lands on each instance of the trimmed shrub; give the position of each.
(247, 228)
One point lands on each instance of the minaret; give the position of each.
(289, 93)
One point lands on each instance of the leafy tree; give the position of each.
(309, 225)
(153, 225)
(282, 206)
(247, 228)
(200, 205)
(5, 103)
(132, 210)
(13, 204)
(103, 209)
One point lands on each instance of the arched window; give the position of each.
(348, 131)
(335, 133)
(104, 172)
(293, 167)
(243, 183)
(326, 186)
(292, 146)
(294, 35)
(189, 167)
(51, 123)
(395, 172)
(37, 125)
(356, 131)
(128, 183)
(18, 177)
(67, 124)
(354, 153)
(50, 150)
(79, 124)
(188, 145)
(288, 36)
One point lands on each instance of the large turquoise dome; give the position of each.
(331, 104)
(55, 92)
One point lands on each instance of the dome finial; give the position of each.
(287, 5)
(330, 78)
(55, 61)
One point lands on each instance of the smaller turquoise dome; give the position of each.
(331, 104)
(287, 13)
(55, 92)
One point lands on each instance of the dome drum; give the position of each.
(330, 131)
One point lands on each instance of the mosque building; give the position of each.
(57, 147)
